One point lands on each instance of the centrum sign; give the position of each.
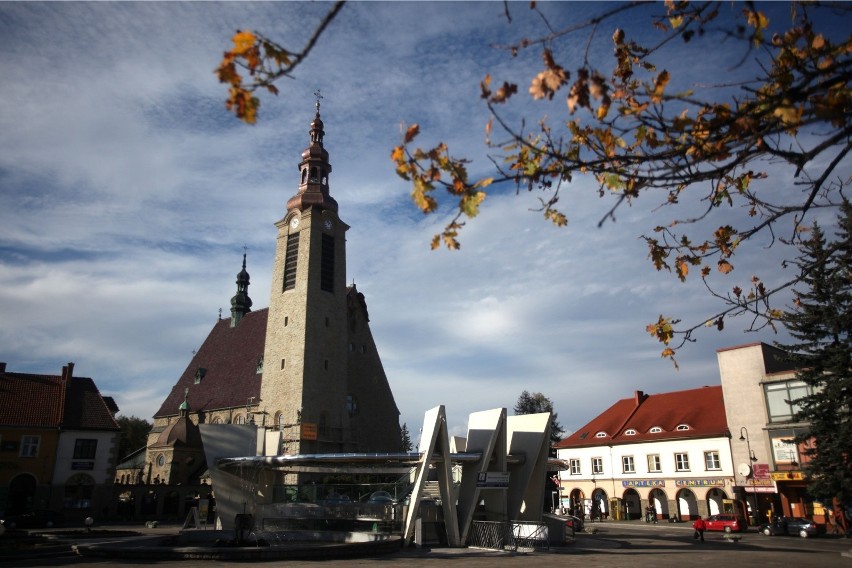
(720, 482)
(493, 480)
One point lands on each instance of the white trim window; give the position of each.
(654, 465)
(29, 446)
(597, 466)
(627, 464)
(574, 464)
(681, 461)
(711, 461)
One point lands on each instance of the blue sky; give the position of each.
(127, 193)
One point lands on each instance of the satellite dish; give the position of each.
(744, 469)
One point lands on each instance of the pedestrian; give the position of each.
(654, 514)
(699, 527)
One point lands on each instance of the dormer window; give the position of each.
(199, 374)
(655, 430)
(682, 427)
(600, 435)
(630, 432)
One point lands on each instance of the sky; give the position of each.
(128, 194)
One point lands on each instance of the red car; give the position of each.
(727, 523)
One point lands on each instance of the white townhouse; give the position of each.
(671, 451)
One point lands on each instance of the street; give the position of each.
(616, 544)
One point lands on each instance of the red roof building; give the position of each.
(669, 450)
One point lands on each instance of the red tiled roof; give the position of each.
(702, 410)
(30, 400)
(41, 400)
(85, 408)
(229, 357)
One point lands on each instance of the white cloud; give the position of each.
(127, 193)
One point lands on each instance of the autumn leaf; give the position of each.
(412, 131)
(724, 266)
(243, 41)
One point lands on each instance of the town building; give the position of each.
(670, 451)
(58, 444)
(305, 370)
(761, 390)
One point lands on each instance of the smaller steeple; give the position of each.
(241, 303)
(314, 170)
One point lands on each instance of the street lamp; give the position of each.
(752, 458)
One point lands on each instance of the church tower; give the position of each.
(304, 385)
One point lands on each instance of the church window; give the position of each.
(314, 176)
(323, 425)
(282, 363)
(326, 322)
(325, 364)
(304, 175)
(199, 374)
(363, 349)
(327, 264)
(351, 347)
(351, 405)
(259, 367)
(279, 420)
(161, 460)
(240, 419)
(286, 320)
(290, 261)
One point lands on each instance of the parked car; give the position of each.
(790, 526)
(574, 522)
(727, 523)
(40, 518)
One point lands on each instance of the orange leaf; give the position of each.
(243, 41)
(725, 267)
(412, 131)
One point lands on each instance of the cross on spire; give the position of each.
(319, 97)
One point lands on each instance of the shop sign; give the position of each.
(787, 476)
(643, 483)
(700, 482)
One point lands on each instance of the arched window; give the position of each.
(655, 430)
(683, 427)
(239, 419)
(304, 175)
(600, 435)
(314, 177)
(630, 432)
(78, 492)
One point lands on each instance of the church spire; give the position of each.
(241, 303)
(314, 170)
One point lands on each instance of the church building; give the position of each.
(306, 367)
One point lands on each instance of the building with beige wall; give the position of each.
(761, 390)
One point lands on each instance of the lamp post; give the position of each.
(752, 458)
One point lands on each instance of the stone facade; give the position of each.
(307, 366)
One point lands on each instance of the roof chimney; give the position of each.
(70, 369)
(2, 366)
(639, 397)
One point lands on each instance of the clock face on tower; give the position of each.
(328, 224)
(294, 222)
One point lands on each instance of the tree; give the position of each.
(708, 148)
(134, 435)
(821, 323)
(536, 403)
(406, 438)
